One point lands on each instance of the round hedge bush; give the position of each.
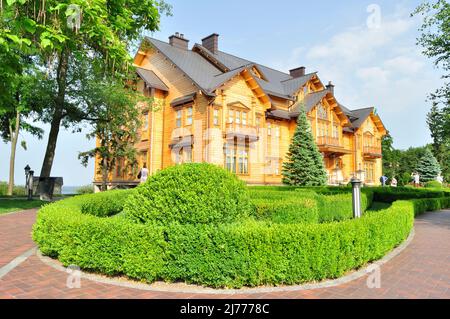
(189, 194)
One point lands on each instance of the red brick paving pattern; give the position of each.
(15, 235)
(420, 271)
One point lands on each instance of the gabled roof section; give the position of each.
(220, 79)
(190, 63)
(291, 86)
(313, 99)
(151, 79)
(361, 116)
(309, 102)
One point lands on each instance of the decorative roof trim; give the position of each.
(154, 82)
(190, 98)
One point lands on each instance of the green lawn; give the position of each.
(15, 205)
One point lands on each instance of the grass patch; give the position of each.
(16, 205)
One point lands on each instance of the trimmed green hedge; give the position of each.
(297, 205)
(391, 194)
(246, 253)
(104, 204)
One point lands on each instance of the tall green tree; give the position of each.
(435, 40)
(304, 165)
(69, 31)
(428, 167)
(437, 121)
(17, 88)
(391, 157)
(18, 105)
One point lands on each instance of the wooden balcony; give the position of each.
(331, 145)
(372, 152)
(240, 131)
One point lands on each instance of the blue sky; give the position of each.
(371, 63)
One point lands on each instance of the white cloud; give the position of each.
(359, 43)
(380, 67)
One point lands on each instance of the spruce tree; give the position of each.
(428, 167)
(304, 166)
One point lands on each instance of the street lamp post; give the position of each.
(29, 181)
(356, 197)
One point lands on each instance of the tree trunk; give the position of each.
(104, 175)
(57, 114)
(14, 137)
(45, 185)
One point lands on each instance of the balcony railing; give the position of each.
(372, 151)
(241, 130)
(328, 141)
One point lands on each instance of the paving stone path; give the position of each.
(422, 270)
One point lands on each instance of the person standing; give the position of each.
(440, 179)
(383, 180)
(143, 174)
(416, 179)
(394, 182)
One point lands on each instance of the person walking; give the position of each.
(143, 174)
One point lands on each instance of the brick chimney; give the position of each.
(298, 72)
(211, 43)
(330, 87)
(177, 40)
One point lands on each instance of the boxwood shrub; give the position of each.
(189, 193)
(104, 204)
(249, 252)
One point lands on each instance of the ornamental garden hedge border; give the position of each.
(89, 231)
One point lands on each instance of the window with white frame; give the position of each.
(189, 113)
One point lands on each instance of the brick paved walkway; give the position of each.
(422, 270)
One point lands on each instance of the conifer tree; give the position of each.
(428, 167)
(305, 166)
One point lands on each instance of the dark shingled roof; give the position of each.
(208, 71)
(152, 79)
(183, 100)
(360, 116)
(309, 102)
(279, 114)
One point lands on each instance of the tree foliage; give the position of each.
(66, 33)
(304, 165)
(428, 167)
(435, 40)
